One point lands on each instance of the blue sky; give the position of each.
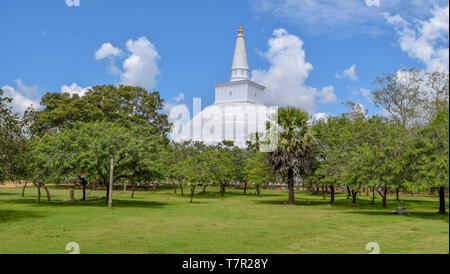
(322, 53)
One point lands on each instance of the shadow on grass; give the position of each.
(233, 193)
(90, 203)
(7, 194)
(412, 214)
(365, 206)
(7, 215)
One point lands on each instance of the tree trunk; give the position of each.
(332, 194)
(222, 189)
(245, 188)
(23, 189)
(348, 192)
(441, 199)
(132, 190)
(38, 186)
(174, 187)
(384, 195)
(291, 186)
(71, 193)
(192, 192)
(204, 188)
(397, 194)
(354, 194)
(46, 191)
(84, 191)
(258, 189)
(323, 193)
(107, 193)
(111, 180)
(181, 189)
(373, 195)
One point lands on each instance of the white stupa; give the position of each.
(238, 110)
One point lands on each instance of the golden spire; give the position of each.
(240, 30)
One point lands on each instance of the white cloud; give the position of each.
(168, 106)
(320, 116)
(348, 73)
(426, 40)
(23, 96)
(179, 97)
(367, 94)
(107, 50)
(327, 95)
(285, 79)
(73, 3)
(74, 89)
(341, 17)
(139, 68)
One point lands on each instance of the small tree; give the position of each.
(430, 157)
(257, 171)
(295, 150)
(106, 151)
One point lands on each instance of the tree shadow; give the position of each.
(216, 194)
(412, 214)
(7, 194)
(7, 215)
(124, 203)
(302, 202)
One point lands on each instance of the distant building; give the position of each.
(238, 110)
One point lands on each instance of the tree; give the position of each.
(125, 105)
(105, 151)
(399, 95)
(238, 161)
(294, 153)
(435, 98)
(197, 170)
(331, 152)
(177, 154)
(429, 154)
(257, 171)
(11, 135)
(222, 164)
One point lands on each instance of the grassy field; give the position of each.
(163, 222)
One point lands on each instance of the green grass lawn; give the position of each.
(162, 222)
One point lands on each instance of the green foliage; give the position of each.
(88, 147)
(399, 95)
(429, 154)
(294, 154)
(11, 138)
(296, 142)
(257, 171)
(125, 105)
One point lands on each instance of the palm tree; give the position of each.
(294, 152)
